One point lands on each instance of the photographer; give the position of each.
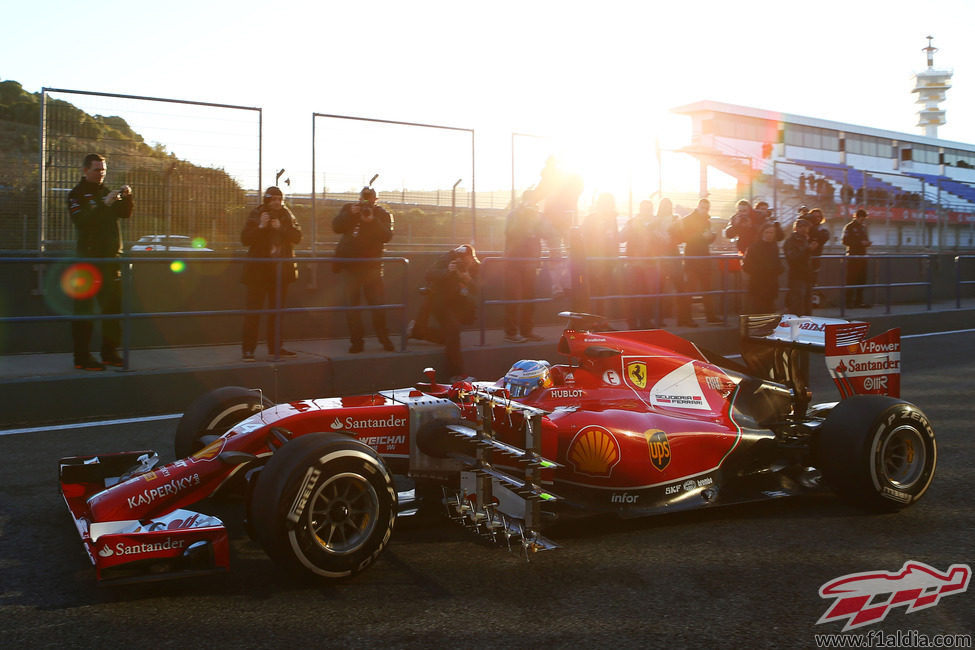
(452, 281)
(798, 257)
(95, 211)
(365, 228)
(271, 231)
(741, 226)
(857, 240)
(694, 230)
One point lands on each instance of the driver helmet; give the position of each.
(526, 376)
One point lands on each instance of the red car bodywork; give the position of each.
(639, 422)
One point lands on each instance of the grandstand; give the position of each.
(918, 190)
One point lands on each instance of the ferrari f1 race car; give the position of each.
(635, 423)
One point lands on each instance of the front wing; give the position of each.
(179, 543)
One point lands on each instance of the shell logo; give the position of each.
(594, 452)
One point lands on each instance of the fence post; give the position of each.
(887, 292)
(127, 289)
(405, 318)
(957, 281)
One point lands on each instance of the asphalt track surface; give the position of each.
(742, 576)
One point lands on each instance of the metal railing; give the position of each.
(726, 286)
(487, 262)
(959, 283)
(127, 314)
(888, 285)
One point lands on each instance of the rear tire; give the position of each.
(878, 451)
(324, 505)
(215, 413)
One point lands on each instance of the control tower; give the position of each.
(931, 86)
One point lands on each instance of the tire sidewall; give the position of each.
(903, 414)
(850, 444)
(292, 477)
(214, 414)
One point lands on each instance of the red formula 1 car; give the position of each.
(636, 423)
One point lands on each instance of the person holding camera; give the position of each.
(694, 231)
(364, 228)
(451, 283)
(798, 258)
(742, 227)
(95, 211)
(857, 240)
(762, 265)
(271, 231)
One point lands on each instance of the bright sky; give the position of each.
(605, 74)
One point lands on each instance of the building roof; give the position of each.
(762, 114)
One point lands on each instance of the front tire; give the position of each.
(324, 505)
(878, 451)
(213, 414)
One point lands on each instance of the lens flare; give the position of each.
(177, 266)
(81, 281)
(199, 242)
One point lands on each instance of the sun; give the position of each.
(630, 159)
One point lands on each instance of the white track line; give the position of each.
(85, 425)
(173, 416)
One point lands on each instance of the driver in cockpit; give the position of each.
(526, 376)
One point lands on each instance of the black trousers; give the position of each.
(450, 327)
(259, 294)
(697, 277)
(359, 284)
(519, 284)
(856, 273)
(109, 299)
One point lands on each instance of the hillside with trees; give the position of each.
(174, 195)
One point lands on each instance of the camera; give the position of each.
(365, 209)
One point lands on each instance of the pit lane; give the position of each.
(743, 575)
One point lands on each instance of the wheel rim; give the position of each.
(903, 457)
(343, 513)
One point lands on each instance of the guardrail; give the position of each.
(888, 285)
(958, 281)
(127, 315)
(493, 260)
(728, 286)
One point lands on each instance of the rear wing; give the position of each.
(776, 347)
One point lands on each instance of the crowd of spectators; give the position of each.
(667, 260)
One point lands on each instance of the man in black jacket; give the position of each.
(856, 240)
(451, 282)
(365, 228)
(695, 232)
(95, 211)
(271, 231)
(798, 257)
